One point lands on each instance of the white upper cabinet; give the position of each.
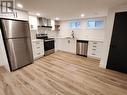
(17, 14)
(21, 15)
(33, 22)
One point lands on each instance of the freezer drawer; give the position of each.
(19, 52)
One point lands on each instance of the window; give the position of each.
(95, 24)
(91, 24)
(99, 24)
(74, 24)
(7, 6)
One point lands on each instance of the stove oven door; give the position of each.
(49, 47)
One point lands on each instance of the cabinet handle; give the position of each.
(93, 54)
(16, 14)
(94, 43)
(38, 53)
(95, 46)
(38, 47)
(37, 43)
(94, 49)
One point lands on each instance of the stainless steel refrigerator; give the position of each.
(17, 39)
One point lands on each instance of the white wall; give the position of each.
(84, 33)
(3, 56)
(108, 33)
(69, 45)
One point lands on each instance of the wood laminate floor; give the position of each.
(63, 74)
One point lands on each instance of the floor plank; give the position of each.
(63, 74)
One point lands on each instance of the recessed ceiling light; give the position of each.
(57, 18)
(82, 15)
(19, 5)
(38, 14)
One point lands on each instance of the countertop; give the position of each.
(35, 40)
(97, 40)
(70, 38)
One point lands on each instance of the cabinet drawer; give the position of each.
(94, 49)
(35, 47)
(38, 47)
(94, 43)
(94, 46)
(93, 54)
(38, 50)
(38, 43)
(38, 53)
(36, 56)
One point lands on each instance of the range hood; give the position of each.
(44, 22)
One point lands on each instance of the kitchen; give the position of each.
(64, 41)
(52, 50)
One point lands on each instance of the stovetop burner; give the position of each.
(41, 36)
(44, 37)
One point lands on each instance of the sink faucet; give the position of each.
(72, 34)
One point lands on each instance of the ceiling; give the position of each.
(69, 9)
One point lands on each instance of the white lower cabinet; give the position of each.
(38, 48)
(95, 49)
(67, 45)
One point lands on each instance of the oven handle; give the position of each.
(48, 40)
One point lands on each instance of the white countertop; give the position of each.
(35, 40)
(98, 40)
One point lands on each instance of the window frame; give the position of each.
(95, 20)
(74, 24)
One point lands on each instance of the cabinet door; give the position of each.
(33, 22)
(21, 15)
(117, 59)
